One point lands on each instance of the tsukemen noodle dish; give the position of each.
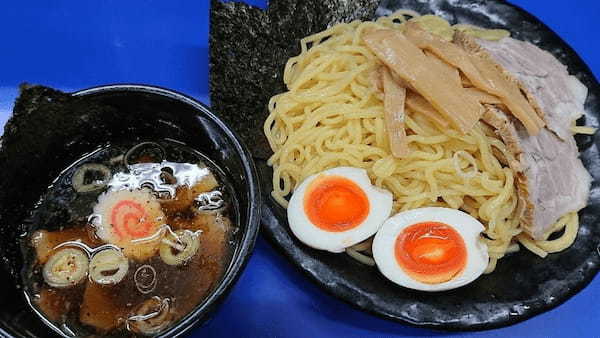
(148, 236)
(427, 149)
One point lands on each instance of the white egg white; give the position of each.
(467, 227)
(380, 207)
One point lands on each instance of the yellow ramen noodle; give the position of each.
(332, 115)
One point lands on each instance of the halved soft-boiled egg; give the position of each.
(431, 249)
(337, 208)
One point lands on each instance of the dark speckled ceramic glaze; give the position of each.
(523, 284)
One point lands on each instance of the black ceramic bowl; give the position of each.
(154, 113)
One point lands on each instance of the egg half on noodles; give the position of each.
(132, 220)
(431, 249)
(337, 208)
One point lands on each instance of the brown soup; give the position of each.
(128, 240)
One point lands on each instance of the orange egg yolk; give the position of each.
(431, 252)
(334, 203)
(129, 220)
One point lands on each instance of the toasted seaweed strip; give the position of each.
(43, 119)
(249, 48)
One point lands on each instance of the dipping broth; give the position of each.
(128, 240)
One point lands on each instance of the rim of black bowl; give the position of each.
(244, 249)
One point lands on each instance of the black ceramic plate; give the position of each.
(523, 284)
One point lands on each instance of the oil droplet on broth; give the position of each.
(163, 198)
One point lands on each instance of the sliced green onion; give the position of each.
(178, 247)
(108, 267)
(66, 268)
(78, 180)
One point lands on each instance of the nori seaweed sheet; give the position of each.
(44, 121)
(248, 51)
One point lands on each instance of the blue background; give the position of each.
(72, 45)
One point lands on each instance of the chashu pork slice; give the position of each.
(551, 179)
(560, 95)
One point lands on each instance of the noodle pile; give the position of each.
(332, 115)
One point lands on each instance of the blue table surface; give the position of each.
(72, 45)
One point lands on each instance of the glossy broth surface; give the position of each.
(166, 210)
